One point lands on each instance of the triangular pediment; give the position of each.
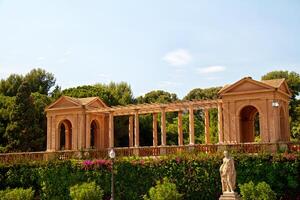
(96, 103)
(284, 88)
(64, 102)
(245, 85)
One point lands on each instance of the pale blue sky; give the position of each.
(174, 45)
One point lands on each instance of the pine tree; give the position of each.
(23, 128)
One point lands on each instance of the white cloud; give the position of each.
(165, 84)
(211, 69)
(178, 57)
(40, 58)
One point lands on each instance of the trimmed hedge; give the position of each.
(196, 175)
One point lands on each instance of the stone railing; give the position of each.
(149, 151)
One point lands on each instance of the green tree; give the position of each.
(157, 96)
(121, 92)
(40, 81)
(293, 81)
(40, 102)
(9, 86)
(6, 105)
(198, 93)
(21, 132)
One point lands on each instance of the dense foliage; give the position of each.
(22, 103)
(17, 194)
(86, 191)
(196, 175)
(163, 190)
(261, 191)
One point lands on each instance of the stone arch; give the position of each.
(95, 133)
(65, 135)
(247, 115)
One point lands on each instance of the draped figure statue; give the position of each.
(228, 174)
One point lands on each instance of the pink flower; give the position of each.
(178, 160)
(87, 164)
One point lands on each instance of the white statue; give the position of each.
(228, 174)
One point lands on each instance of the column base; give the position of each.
(230, 196)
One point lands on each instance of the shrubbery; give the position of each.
(261, 191)
(17, 194)
(164, 190)
(86, 191)
(196, 175)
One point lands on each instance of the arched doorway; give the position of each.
(94, 134)
(65, 135)
(249, 124)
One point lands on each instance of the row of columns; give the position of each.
(134, 133)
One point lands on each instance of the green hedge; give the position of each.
(195, 175)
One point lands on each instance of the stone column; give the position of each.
(220, 123)
(191, 126)
(163, 127)
(154, 129)
(130, 131)
(57, 138)
(53, 132)
(180, 132)
(75, 131)
(111, 130)
(206, 122)
(49, 125)
(136, 129)
(88, 131)
(67, 138)
(276, 119)
(82, 132)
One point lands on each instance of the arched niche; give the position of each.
(65, 135)
(249, 123)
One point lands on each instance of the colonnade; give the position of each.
(134, 132)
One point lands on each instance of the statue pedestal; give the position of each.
(230, 196)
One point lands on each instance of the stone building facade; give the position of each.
(83, 123)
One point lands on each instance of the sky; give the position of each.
(171, 45)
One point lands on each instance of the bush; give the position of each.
(261, 191)
(17, 194)
(196, 175)
(164, 190)
(86, 191)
